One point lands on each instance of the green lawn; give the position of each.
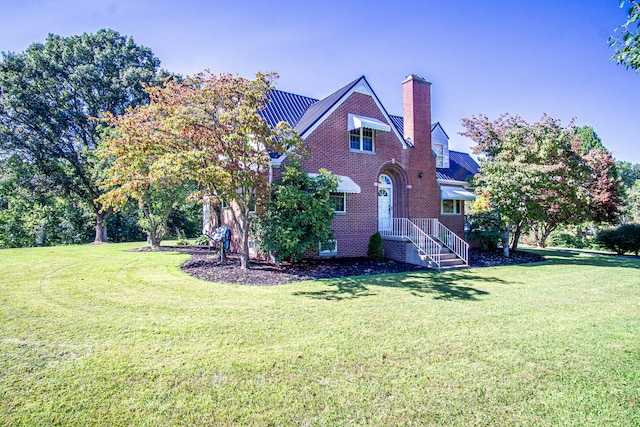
(94, 335)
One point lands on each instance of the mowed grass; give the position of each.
(96, 335)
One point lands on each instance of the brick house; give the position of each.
(397, 174)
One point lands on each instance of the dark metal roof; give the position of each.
(317, 110)
(285, 107)
(461, 167)
(398, 122)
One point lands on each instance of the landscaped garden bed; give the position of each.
(206, 265)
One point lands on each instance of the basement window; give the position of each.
(329, 249)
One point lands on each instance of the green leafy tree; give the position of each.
(590, 139)
(633, 201)
(298, 216)
(31, 214)
(626, 41)
(538, 176)
(48, 94)
(205, 129)
(629, 173)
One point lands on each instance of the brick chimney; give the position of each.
(424, 195)
(416, 93)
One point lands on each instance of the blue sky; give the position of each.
(483, 57)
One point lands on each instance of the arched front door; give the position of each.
(385, 202)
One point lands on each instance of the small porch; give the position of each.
(423, 241)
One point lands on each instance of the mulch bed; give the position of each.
(205, 265)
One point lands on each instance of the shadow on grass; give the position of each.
(444, 285)
(587, 258)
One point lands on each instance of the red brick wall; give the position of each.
(394, 249)
(329, 148)
(454, 223)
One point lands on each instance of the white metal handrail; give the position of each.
(405, 228)
(451, 240)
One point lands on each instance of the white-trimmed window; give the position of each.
(361, 139)
(339, 202)
(439, 150)
(451, 207)
(224, 204)
(329, 249)
(252, 206)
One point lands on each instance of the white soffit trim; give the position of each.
(464, 184)
(357, 122)
(455, 193)
(345, 184)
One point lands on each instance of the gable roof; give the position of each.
(438, 125)
(304, 113)
(461, 167)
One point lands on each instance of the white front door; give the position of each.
(385, 203)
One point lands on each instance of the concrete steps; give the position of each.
(448, 260)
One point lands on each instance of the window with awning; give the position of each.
(362, 132)
(345, 184)
(455, 193)
(358, 122)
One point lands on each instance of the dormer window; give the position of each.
(361, 139)
(439, 150)
(440, 146)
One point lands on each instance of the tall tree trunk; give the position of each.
(244, 258)
(505, 240)
(101, 227)
(154, 241)
(223, 253)
(541, 238)
(516, 236)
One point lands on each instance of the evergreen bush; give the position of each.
(374, 251)
(625, 238)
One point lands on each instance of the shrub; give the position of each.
(484, 227)
(298, 216)
(568, 240)
(374, 251)
(625, 238)
(201, 241)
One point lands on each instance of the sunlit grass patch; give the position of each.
(98, 335)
